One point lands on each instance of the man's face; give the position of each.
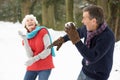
(89, 23)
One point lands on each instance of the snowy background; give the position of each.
(67, 61)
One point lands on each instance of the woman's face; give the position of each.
(30, 24)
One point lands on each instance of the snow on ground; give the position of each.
(67, 61)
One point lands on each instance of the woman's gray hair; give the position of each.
(30, 16)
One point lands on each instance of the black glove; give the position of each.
(57, 43)
(72, 33)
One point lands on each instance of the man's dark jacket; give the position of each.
(100, 53)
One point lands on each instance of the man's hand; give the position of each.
(57, 43)
(71, 31)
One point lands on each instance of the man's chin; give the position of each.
(88, 29)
